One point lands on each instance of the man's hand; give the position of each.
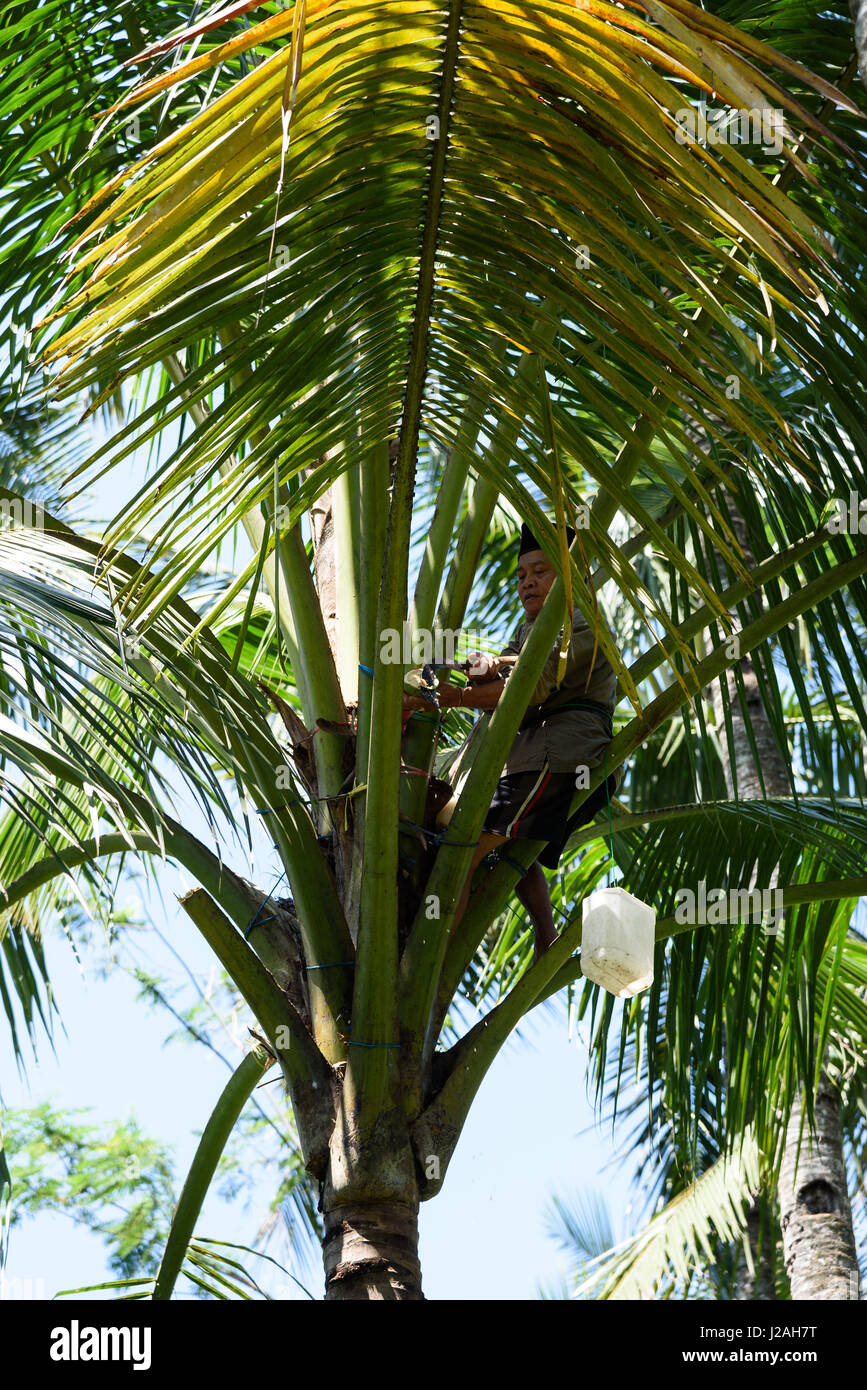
(482, 667)
(449, 696)
(411, 703)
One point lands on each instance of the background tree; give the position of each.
(697, 1200)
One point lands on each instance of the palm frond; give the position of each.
(664, 1255)
(565, 81)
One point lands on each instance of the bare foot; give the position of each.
(542, 946)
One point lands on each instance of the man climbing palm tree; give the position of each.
(564, 733)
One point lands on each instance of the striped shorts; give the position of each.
(535, 806)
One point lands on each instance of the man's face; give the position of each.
(535, 577)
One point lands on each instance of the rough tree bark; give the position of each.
(754, 1284)
(815, 1215)
(371, 1253)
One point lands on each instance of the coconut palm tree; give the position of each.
(312, 245)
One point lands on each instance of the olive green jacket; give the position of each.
(574, 738)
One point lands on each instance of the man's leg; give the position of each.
(487, 842)
(533, 893)
(531, 890)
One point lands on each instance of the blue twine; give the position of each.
(429, 833)
(361, 1044)
(254, 923)
(501, 854)
(328, 964)
(304, 801)
(439, 838)
(266, 899)
(368, 670)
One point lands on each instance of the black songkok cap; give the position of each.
(529, 542)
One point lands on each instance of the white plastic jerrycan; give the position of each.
(617, 940)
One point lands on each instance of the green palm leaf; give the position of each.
(665, 1253)
(622, 75)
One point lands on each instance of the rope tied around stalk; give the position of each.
(500, 855)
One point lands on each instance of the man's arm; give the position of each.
(487, 685)
(483, 696)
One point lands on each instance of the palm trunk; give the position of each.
(371, 1252)
(739, 764)
(815, 1215)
